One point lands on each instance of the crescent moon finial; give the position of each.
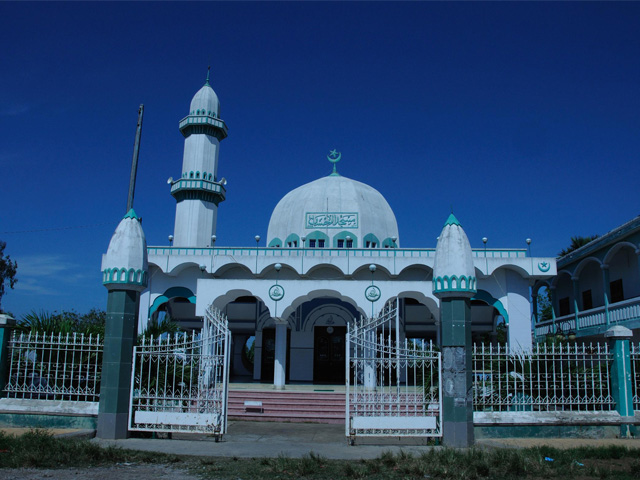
(334, 157)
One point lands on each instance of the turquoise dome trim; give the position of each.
(454, 283)
(123, 276)
(452, 220)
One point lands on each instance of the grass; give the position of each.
(39, 449)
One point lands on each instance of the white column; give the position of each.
(280, 364)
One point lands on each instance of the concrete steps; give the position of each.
(287, 406)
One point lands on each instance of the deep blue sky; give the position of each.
(523, 117)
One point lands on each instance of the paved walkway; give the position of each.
(267, 439)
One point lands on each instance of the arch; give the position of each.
(583, 263)
(292, 241)
(287, 272)
(343, 236)
(321, 293)
(615, 249)
(363, 272)
(238, 271)
(314, 316)
(325, 271)
(321, 240)
(516, 268)
(183, 266)
(538, 285)
(417, 272)
(197, 174)
(191, 174)
(371, 241)
(231, 295)
(275, 243)
(172, 293)
(495, 303)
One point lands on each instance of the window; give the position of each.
(293, 244)
(341, 243)
(617, 293)
(312, 243)
(369, 244)
(321, 243)
(587, 300)
(563, 305)
(349, 243)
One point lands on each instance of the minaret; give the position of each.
(198, 192)
(454, 283)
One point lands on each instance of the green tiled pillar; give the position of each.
(457, 399)
(115, 386)
(621, 387)
(6, 326)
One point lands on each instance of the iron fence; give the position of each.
(54, 366)
(635, 374)
(549, 378)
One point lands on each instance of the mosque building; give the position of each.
(333, 253)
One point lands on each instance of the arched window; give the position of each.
(371, 241)
(340, 240)
(317, 239)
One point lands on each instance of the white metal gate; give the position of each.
(179, 383)
(393, 386)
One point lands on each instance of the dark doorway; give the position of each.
(328, 354)
(269, 354)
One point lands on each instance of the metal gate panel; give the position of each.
(179, 383)
(393, 386)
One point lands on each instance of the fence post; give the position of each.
(7, 323)
(621, 376)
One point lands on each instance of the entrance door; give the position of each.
(328, 354)
(268, 357)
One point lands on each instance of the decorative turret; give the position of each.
(453, 270)
(124, 266)
(454, 283)
(198, 192)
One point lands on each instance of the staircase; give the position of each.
(287, 406)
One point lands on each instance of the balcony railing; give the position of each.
(326, 252)
(619, 313)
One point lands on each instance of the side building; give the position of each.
(597, 287)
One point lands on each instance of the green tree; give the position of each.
(8, 271)
(544, 305)
(576, 243)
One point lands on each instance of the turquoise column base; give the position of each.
(115, 386)
(457, 398)
(621, 386)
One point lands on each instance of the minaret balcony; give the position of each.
(205, 124)
(198, 189)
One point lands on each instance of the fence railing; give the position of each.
(635, 374)
(54, 366)
(550, 378)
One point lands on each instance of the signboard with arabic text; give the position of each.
(315, 220)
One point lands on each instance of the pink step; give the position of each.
(288, 406)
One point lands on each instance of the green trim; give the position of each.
(389, 243)
(292, 238)
(454, 283)
(343, 236)
(276, 242)
(452, 220)
(131, 214)
(495, 303)
(173, 292)
(122, 276)
(370, 237)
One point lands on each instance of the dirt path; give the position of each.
(121, 472)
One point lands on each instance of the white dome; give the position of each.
(453, 269)
(332, 208)
(205, 102)
(125, 264)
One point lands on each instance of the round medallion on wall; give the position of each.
(372, 293)
(544, 266)
(276, 292)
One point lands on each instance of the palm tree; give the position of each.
(576, 243)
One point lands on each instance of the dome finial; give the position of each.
(334, 157)
(208, 71)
